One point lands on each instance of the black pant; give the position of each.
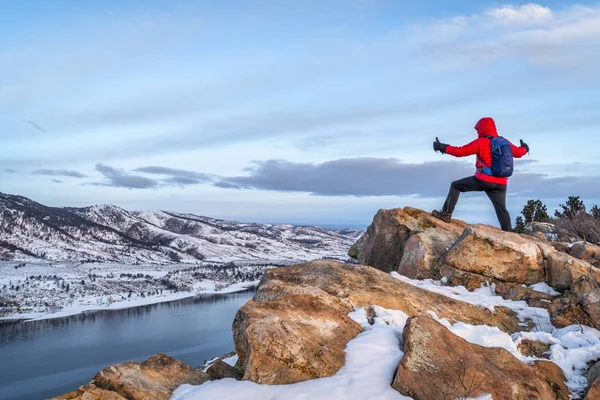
(496, 193)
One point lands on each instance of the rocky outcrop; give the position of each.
(416, 245)
(499, 255)
(153, 379)
(586, 252)
(296, 328)
(440, 365)
(382, 246)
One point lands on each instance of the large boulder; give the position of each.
(440, 365)
(586, 252)
(296, 327)
(296, 338)
(153, 379)
(504, 256)
(382, 246)
(424, 251)
(582, 279)
(564, 271)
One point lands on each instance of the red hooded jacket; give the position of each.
(481, 146)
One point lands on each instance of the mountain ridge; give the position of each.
(29, 229)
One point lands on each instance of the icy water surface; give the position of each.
(42, 359)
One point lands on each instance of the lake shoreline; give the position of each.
(119, 306)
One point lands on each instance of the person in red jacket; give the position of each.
(494, 187)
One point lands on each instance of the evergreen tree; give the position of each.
(571, 209)
(536, 211)
(519, 225)
(595, 212)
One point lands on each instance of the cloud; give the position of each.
(351, 177)
(121, 179)
(176, 176)
(359, 177)
(59, 172)
(391, 177)
(528, 14)
(569, 37)
(57, 181)
(9, 171)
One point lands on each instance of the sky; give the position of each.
(305, 112)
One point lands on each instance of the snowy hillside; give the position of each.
(30, 231)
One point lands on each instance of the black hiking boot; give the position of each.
(442, 215)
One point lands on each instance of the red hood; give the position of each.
(486, 127)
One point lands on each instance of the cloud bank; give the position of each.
(359, 177)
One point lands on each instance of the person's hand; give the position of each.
(523, 144)
(439, 146)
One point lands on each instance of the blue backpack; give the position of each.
(502, 158)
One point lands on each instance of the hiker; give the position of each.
(493, 169)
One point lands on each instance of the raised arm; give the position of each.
(464, 151)
(519, 152)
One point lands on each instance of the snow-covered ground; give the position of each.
(51, 290)
(372, 357)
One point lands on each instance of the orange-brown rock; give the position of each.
(382, 245)
(533, 348)
(560, 246)
(440, 365)
(564, 270)
(153, 379)
(455, 277)
(492, 253)
(91, 392)
(295, 338)
(423, 252)
(296, 328)
(587, 292)
(586, 252)
(565, 311)
(517, 292)
(581, 278)
(594, 391)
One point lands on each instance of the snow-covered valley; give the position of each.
(62, 261)
(44, 290)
